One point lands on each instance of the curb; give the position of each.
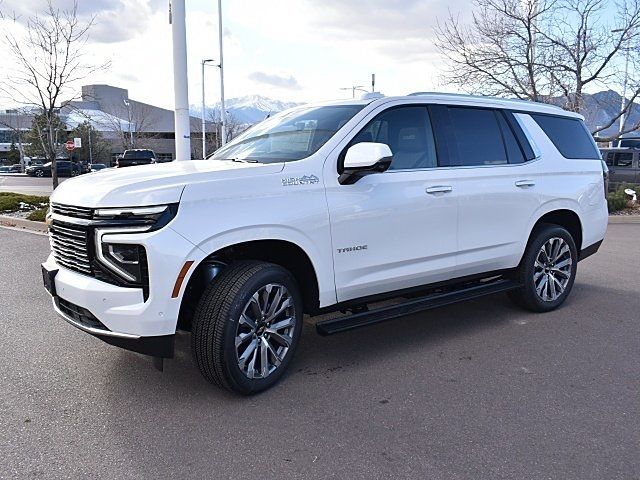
(39, 227)
(624, 219)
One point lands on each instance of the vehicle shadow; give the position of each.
(316, 354)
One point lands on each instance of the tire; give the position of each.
(39, 173)
(217, 325)
(74, 173)
(546, 277)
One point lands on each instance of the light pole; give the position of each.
(204, 125)
(623, 105)
(128, 105)
(353, 90)
(223, 113)
(180, 80)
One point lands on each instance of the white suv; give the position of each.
(428, 198)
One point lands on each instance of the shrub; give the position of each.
(38, 215)
(618, 200)
(12, 202)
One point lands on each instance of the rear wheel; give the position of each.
(39, 173)
(246, 326)
(547, 270)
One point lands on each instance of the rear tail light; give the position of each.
(605, 178)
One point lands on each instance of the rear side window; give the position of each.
(477, 137)
(569, 135)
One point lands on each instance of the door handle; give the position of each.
(439, 189)
(525, 183)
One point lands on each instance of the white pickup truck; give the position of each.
(428, 199)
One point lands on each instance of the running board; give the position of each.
(357, 320)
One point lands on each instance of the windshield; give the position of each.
(293, 135)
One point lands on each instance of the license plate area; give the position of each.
(48, 278)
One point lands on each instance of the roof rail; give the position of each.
(483, 97)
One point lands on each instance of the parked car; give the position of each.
(429, 199)
(624, 165)
(11, 169)
(134, 157)
(65, 168)
(96, 167)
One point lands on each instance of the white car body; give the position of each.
(385, 233)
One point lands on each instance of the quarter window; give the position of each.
(408, 133)
(569, 135)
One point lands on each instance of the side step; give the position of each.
(357, 320)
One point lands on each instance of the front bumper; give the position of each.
(121, 315)
(158, 346)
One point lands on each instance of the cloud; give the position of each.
(113, 20)
(275, 80)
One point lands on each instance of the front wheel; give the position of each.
(39, 173)
(547, 270)
(247, 326)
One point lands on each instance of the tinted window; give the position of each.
(478, 138)
(569, 135)
(623, 159)
(408, 133)
(610, 159)
(514, 152)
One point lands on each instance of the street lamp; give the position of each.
(204, 129)
(353, 90)
(223, 113)
(128, 105)
(624, 85)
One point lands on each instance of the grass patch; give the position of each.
(14, 202)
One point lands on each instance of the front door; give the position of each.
(396, 229)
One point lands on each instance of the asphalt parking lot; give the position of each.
(20, 183)
(479, 390)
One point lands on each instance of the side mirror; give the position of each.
(364, 159)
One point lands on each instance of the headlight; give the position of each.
(126, 260)
(155, 217)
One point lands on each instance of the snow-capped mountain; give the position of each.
(249, 109)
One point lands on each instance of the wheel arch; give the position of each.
(285, 253)
(563, 217)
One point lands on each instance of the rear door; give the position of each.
(496, 176)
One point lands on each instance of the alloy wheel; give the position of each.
(265, 331)
(552, 269)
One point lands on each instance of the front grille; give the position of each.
(80, 314)
(70, 246)
(71, 211)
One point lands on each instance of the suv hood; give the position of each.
(151, 184)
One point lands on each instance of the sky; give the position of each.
(291, 50)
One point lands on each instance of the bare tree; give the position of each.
(49, 58)
(544, 50)
(131, 121)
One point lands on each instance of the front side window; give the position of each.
(408, 133)
(623, 159)
(292, 135)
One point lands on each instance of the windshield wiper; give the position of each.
(243, 160)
